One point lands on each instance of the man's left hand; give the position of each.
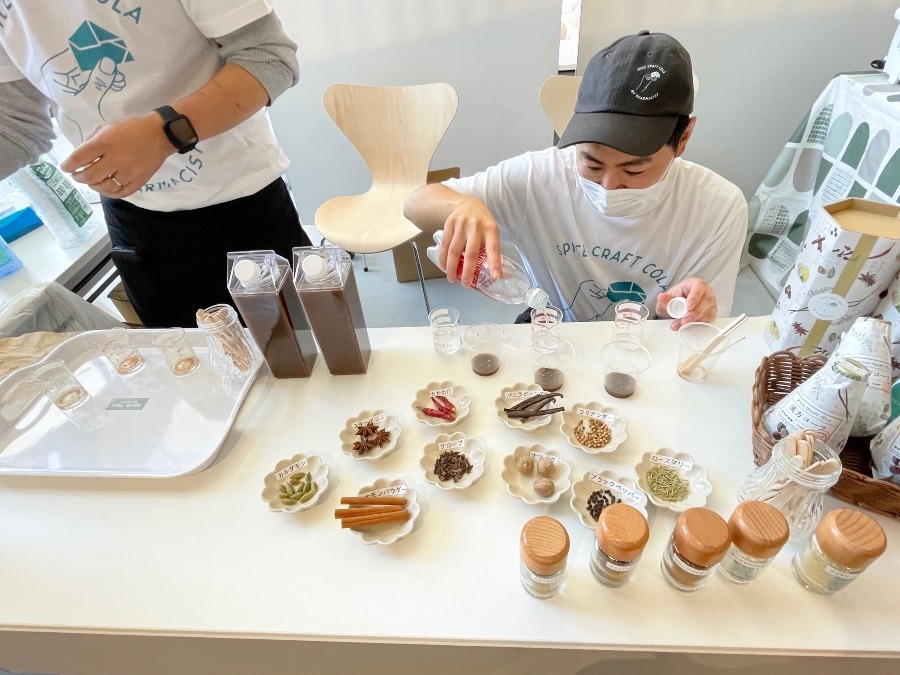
(700, 299)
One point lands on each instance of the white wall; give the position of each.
(761, 64)
(495, 53)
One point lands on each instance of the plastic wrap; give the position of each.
(53, 308)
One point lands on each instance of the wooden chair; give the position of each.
(396, 130)
(558, 95)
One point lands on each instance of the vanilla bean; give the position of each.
(534, 402)
(525, 414)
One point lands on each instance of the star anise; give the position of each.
(366, 430)
(381, 437)
(362, 446)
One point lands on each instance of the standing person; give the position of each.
(165, 105)
(612, 212)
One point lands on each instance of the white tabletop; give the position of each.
(45, 261)
(202, 555)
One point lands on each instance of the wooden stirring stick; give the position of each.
(694, 360)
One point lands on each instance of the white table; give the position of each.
(45, 261)
(128, 575)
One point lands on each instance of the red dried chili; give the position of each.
(434, 412)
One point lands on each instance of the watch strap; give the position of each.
(169, 116)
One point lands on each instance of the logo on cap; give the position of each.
(645, 90)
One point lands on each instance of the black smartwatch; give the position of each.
(178, 128)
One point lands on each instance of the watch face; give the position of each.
(183, 131)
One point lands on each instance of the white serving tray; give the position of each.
(179, 430)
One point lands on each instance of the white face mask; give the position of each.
(625, 202)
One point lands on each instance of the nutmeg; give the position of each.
(525, 465)
(544, 487)
(545, 467)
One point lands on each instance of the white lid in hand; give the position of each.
(247, 271)
(677, 308)
(314, 267)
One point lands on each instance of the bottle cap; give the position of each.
(246, 271)
(622, 532)
(314, 267)
(850, 538)
(677, 308)
(544, 545)
(701, 536)
(758, 529)
(536, 298)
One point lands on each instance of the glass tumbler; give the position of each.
(797, 491)
(69, 396)
(628, 325)
(176, 352)
(445, 331)
(119, 351)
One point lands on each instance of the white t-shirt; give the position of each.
(100, 62)
(587, 261)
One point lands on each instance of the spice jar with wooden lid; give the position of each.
(699, 541)
(845, 542)
(621, 535)
(543, 549)
(758, 532)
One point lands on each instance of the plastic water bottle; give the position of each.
(57, 202)
(513, 287)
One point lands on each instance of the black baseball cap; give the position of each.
(632, 94)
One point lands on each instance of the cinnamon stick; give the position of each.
(376, 501)
(377, 519)
(366, 510)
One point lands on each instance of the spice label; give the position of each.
(447, 391)
(840, 574)
(523, 394)
(620, 567)
(393, 491)
(288, 470)
(538, 579)
(680, 464)
(626, 493)
(743, 567)
(537, 456)
(451, 445)
(370, 420)
(606, 418)
(690, 569)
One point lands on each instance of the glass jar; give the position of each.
(845, 542)
(543, 549)
(796, 491)
(621, 535)
(699, 541)
(230, 352)
(758, 532)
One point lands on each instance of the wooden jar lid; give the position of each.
(622, 532)
(544, 545)
(701, 536)
(850, 538)
(758, 529)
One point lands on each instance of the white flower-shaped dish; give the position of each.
(458, 441)
(579, 412)
(623, 487)
(382, 419)
(521, 485)
(698, 484)
(457, 394)
(510, 396)
(299, 463)
(389, 533)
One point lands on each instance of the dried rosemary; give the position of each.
(666, 484)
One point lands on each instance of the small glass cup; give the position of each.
(69, 396)
(628, 325)
(623, 364)
(695, 361)
(485, 343)
(445, 331)
(545, 323)
(119, 351)
(551, 356)
(176, 352)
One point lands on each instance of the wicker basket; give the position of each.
(777, 375)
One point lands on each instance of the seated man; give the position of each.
(612, 212)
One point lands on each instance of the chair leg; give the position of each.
(365, 263)
(421, 272)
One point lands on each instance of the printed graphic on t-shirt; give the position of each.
(590, 295)
(88, 68)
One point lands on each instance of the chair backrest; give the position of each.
(558, 95)
(396, 130)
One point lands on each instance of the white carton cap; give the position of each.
(247, 271)
(677, 308)
(314, 267)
